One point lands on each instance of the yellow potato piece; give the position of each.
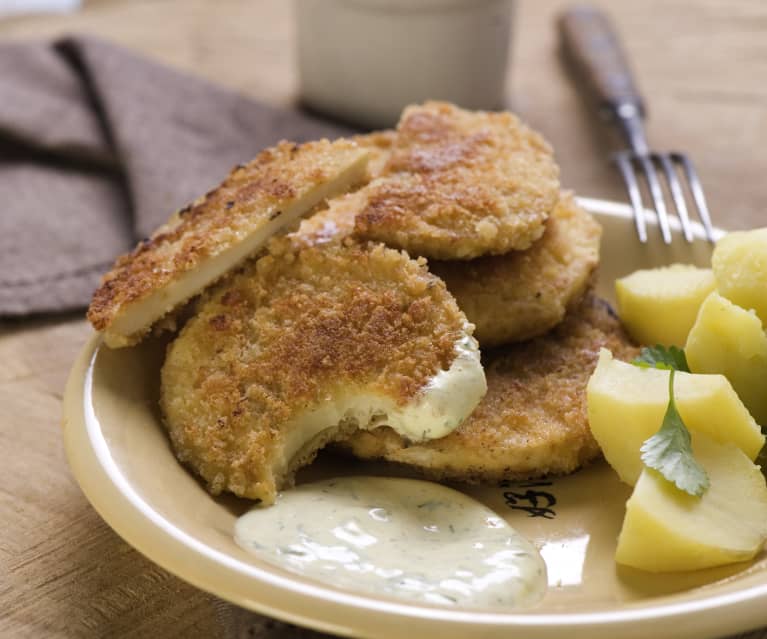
(626, 405)
(728, 339)
(740, 269)
(666, 529)
(659, 306)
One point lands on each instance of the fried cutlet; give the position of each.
(217, 232)
(513, 297)
(533, 420)
(306, 346)
(459, 184)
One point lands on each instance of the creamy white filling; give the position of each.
(439, 408)
(137, 317)
(448, 399)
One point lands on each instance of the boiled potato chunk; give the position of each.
(659, 306)
(740, 269)
(728, 339)
(626, 405)
(667, 529)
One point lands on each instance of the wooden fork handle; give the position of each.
(592, 45)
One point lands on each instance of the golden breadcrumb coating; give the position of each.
(513, 297)
(218, 231)
(290, 333)
(532, 421)
(460, 184)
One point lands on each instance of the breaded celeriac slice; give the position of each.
(304, 347)
(523, 294)
(533, 420)
(460, 184)
(217, 232)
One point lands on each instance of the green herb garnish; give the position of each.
(669, 451)
(667, 358)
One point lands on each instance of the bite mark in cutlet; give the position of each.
(213, 235)
(460, 184)
(306, 346)
(533, 420)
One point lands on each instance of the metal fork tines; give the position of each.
(629, 163)
(590, 41)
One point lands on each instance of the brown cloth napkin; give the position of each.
(97, 147)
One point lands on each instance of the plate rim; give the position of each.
(110, 492)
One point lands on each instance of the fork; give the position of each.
(591, 43)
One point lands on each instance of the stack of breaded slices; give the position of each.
(356, 326)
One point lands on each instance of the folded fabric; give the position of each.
(99, 146)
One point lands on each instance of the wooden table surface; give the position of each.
(63, 572)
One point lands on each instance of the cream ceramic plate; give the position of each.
(122, 459)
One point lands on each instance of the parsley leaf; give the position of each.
(667, 358)
(669, 451)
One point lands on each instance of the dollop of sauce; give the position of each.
(404, 538)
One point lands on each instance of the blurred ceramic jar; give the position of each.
(363, 60)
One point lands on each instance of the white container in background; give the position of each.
(363, 60)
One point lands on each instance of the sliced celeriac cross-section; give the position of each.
(626, 405)
(202, 242)
(666, 529)
(659, 306)
(306, 346)
(728, 339)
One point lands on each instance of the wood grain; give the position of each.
(63, 573)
